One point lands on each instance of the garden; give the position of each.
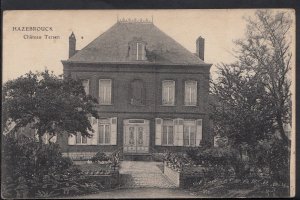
(36, 170)
(224, 172)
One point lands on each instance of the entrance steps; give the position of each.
(144, 174)
(137, 157)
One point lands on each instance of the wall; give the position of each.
(152, 75)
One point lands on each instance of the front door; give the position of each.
(136, 136)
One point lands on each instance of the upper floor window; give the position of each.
(105, 91)
(190, 97)
(85, 84)
(168, 92)
(137, 91)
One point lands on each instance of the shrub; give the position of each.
(100, 156)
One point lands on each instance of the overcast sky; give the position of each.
(219, 28)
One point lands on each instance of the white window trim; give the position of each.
(168, 93)
(189, 102)
(189, 135)
(104, 98)
(168, 132)
(142, 45)
(104, 137)
(81, 138)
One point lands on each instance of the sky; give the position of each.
(219, 28)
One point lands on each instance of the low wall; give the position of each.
(182, 179)
(173, 175)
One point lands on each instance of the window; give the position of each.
(189, 133)
(168, 133)
(104, 131)
(168, 92)
(137, 91)
(190, 98)
(81, 139)
(85, 84)
(140, 51)
(105, 91)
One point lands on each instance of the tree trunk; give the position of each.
(281, 131)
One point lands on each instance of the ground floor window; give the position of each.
(189, 133)
(104, 131)
(168, 133)
(81, 139)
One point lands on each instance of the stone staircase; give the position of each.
(142, 174)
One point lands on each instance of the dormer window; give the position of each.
(137, 49)
(140, 51)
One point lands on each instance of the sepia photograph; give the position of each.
(182, 103)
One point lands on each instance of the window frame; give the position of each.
(111, 91)
(162, 92)
(104, 124)
(143, 52)
(167, 133)
(189, 123)
(81, 139)
(190, 95)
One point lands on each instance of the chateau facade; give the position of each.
(152, 92)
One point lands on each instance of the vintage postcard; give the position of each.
(148, 103)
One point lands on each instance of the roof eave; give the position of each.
(134, 63)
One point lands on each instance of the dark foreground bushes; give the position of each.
(265, 172)
(33, 170)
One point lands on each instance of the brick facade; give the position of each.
(152, 75)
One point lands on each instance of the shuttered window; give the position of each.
(105, 91)
(168, 133)
(189, 133)
(168, 92)
(104, 131)
(85, 84)
(190, 98)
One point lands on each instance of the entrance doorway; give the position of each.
(136, 136)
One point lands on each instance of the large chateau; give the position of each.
(152, 92)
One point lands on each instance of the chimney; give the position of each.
(200, 48)
(72, 45)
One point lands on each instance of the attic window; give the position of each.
(137, 49)
(140, 51)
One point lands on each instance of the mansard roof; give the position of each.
(112, 47)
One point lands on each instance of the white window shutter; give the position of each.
(71, 139)
(113, 131)
(179, 132)
(94, 124)
(158, 130)
(199, 131)
(95, 128)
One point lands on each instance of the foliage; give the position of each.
(266, 52)
(266, 173)
(243, 112)
(100, 156)
(45, 175)
(48, 103)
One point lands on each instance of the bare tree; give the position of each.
(266, 52)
